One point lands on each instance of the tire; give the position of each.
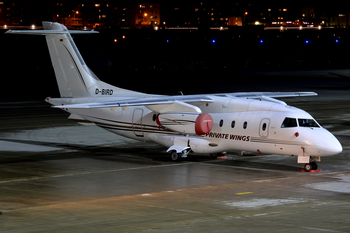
(308, 167)
(175, 156)
(314, 166)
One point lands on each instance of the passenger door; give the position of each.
(137, 126)
(264, 127)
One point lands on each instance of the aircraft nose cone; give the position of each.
(333, 146)
(326, 143)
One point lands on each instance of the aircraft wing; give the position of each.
(159, 104)
(182, 103)
(257, 95)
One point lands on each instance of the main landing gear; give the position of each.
(175, 156)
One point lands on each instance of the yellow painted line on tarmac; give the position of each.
(244, 193)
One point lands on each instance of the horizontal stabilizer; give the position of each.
(48, 32)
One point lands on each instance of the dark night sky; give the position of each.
(25, 61)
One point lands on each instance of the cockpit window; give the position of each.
(308, 123)
(289, 122)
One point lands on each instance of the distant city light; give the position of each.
(33, 26)
(213, 41)
(307, 41)
(167, 41)
(336, 41)
(115, 40)
(261, 41)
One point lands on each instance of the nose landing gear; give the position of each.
(310, 166)
(309, 161)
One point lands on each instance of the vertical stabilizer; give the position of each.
(74, 78)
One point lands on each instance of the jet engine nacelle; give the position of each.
(188, 122)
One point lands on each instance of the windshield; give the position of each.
(293, 122)
(307, 123)
(289, 122)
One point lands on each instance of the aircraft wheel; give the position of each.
(308, 167)
(175, 156)
(314, 166)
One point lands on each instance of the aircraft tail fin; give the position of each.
(74, 78)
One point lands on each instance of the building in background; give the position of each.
(90, 14)
(22, 13)
(142, 15)
(138, 14)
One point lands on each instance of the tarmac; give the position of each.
(57, 176)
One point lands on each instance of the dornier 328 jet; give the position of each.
(212, 123)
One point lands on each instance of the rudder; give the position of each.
(73, 77)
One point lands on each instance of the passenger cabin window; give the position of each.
(289, 122)
(245, 124)
(221, 123)
(264, 127)
(233, 123)
(308, 123)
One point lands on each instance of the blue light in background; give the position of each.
(307, 41)
(213, 41)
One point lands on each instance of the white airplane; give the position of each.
(207, 123)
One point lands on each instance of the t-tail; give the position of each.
(74, 78)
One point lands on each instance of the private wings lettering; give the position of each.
(228, 136)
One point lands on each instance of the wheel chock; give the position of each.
(311, 171)
(218, 157)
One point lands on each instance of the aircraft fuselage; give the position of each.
(248, 125)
